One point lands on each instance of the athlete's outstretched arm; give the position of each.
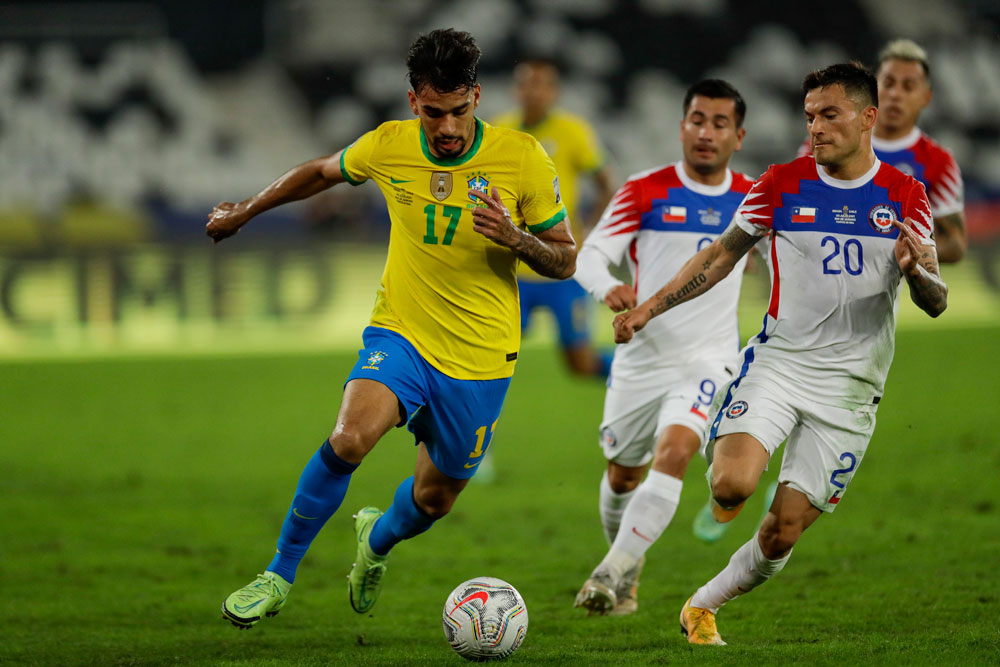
(297, 183)
(920, 268)
(706, 268)
(949, 233)
(551, 253)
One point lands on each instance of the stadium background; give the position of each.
(122, 124)
(158, 394)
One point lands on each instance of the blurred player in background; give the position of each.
(443, 339)
(575, 150)
(845, 228)
(661, 386)
(904, 90)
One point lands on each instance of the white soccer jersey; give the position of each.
(830, 325)
(658, 220)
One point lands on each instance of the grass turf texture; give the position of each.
(137, 494)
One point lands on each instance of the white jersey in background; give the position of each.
(658, 220)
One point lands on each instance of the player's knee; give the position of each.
(730, 490)
(624, 480)
(433, 502)
(350, 443)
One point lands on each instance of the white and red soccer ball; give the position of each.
(485, 619)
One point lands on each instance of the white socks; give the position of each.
(747, 569)
(612, 505)
(644, 520)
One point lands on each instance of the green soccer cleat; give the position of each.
(364, 583)
(705, 527)
(265, 596)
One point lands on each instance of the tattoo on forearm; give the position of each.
(927, 289)
(548, 259)
(691, 289)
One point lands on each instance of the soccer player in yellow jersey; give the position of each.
(467, 202)
(575, 151)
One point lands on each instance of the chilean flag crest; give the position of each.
(803, 214)
(674, 213)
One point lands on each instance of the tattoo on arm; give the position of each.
(737, 241)
(927, 289)
(551, 259)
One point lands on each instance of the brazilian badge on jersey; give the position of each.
(478, 181)
(881, 218)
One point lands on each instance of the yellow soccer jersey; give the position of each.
(447, 289)
(572, 144)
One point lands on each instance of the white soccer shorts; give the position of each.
(633, 419)
(825, 443)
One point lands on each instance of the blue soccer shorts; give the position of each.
(456, 419)
(569, 303)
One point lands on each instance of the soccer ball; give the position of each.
(485, 619)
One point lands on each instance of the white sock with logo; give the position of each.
(645, 519)
(747, 569)
(612, 505)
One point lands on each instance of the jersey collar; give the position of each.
(702, 189)
(454, 161)
(848, 185)
(891, 146)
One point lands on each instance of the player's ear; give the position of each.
(475, 96)
(413, 102)
(740, 133)
(870, 114)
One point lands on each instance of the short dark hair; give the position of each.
(716, 89)
(857, 80)
(446, 60)
(536, 60)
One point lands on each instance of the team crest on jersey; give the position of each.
(737, 409)
(555, 188)
(906, 168)
(710, 216)
(480, 182)
(441, 184)
(374, 359)
(608, 438)
(881, 218)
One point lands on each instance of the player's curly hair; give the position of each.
(446, 60)
(857, 80)
(717, 89)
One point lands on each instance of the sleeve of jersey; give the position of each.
(755, 214)
(539, 199)
(947, 193)
(607, 243)
(917, 208)
(356, 158)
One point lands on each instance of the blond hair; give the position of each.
(905, 49)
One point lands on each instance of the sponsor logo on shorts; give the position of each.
(608, 438)
(881, 218)
(374, 359)
(737, 409)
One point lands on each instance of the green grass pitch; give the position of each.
(138, 493)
